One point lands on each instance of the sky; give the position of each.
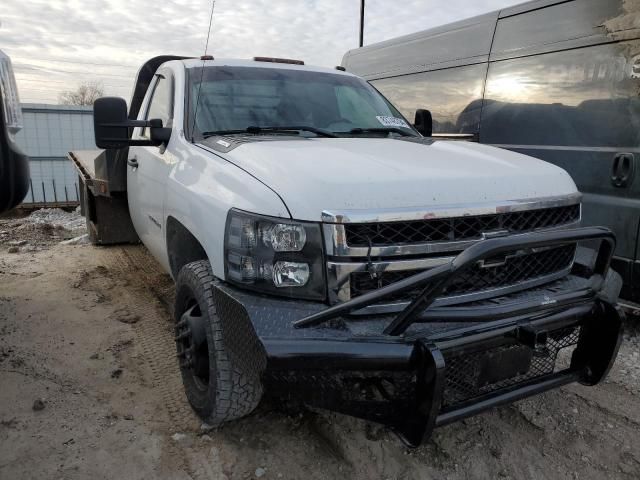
(57, 45)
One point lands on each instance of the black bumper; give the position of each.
(430, 367)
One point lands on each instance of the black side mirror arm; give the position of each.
(158, 134)
(126, 124)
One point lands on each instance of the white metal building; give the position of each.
(49, 132)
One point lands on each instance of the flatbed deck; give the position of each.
(85, 160)
(102, 181)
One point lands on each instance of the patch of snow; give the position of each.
(81, 240)
(58, 218)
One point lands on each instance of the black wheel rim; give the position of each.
(191, 343)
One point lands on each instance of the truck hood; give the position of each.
(338, 174)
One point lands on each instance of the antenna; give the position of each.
(204, 58)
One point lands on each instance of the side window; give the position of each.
(161, 105)
(586, 97)
(453, 95)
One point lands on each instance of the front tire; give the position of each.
(221, 385)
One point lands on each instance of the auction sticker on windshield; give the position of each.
(392, 121)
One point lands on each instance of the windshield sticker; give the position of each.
(223, 143)
(392, 121)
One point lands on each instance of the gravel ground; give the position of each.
(627, 371)
(91, 389)
(41, 229)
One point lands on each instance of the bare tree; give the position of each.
(85, 94)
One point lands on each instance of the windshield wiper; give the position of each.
(255, 130)
(383, 130)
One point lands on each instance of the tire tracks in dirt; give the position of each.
(154, 333)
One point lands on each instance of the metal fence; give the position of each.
(49, 133)
(47, 193)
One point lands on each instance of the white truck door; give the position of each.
(148, 169)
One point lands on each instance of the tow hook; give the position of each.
(189, 335)
(534, 339)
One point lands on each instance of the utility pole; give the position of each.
(361, 22)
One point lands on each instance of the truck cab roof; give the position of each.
(274, 64)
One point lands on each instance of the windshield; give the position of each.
(234, 99)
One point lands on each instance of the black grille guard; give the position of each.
(434, 281)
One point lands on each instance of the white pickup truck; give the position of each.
(326, 251)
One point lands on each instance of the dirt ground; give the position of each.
(90, 388)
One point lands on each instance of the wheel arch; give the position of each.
(182, 246)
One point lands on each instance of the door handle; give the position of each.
(622, 169)
(132, 162)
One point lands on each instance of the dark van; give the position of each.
(558, 80)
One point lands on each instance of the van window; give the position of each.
(161, 105)
(461, 43)
(545, 29)
(586, 97)
(453, 95)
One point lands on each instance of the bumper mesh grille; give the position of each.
(462, 372)
(457, 228)
(477, 279)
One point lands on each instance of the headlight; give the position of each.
(274, 255)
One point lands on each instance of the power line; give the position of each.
(75, 72)
(43, 88)
(38, 75)
(18, 67)
(49, 92)
(79, 63)
(47, 81)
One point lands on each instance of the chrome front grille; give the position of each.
(515, 270)
(367, 250)
(457, 228)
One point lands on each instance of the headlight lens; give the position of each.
(284, 237)
(274, 255)
(290, 274)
